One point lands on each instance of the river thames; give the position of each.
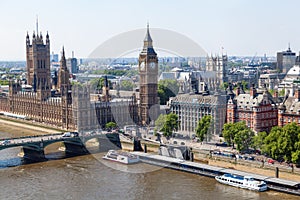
(90, 177)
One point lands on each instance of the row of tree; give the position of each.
(98, 84)
(282, 143)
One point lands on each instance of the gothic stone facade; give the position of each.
(148, 71)
(39, 104)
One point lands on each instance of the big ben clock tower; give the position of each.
(148, 71)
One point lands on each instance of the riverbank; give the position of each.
(17, 129)
(24, 128)
(277, 184)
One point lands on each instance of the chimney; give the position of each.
(276, 94)
(253, 91)
(238, 91)
(297, 94)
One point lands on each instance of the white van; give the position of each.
(66, 134)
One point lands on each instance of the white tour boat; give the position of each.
(245, 182)
(121, 157)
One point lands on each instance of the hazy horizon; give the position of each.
(242, 28)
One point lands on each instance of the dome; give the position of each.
(294, 71)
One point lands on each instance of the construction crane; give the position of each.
(251, 63)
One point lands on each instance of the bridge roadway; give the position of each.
(75, 144)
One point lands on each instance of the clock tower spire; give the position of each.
(148, 71)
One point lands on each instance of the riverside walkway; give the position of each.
(282, 185)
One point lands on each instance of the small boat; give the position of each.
(245, 182)
(121, 157)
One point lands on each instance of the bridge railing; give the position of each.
(31, 136)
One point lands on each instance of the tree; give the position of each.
(160, 121)
(296, 157)
(203, 126)
(224, 86)
(258, 140)
(167, 89)
(282, 92)
(4, 82)
(244, 139)
(230, 130)
(288, 140)
(283, 143)
(111, 125)
(270, 146)
(167, 124)
(127, 85)
(245, 85)
(98, 83)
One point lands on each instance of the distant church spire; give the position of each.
(63, 53)
(37, 25)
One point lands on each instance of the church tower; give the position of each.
(64, 85)
(148, 71)
(38, 64)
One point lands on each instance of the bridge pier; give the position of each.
(109, 142)
(75, 148)
(137, 146)
(33, 154)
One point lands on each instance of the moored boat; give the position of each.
(245, 182)
(121, 157)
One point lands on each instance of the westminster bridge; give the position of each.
(75, 144)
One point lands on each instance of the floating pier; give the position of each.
(282, 185)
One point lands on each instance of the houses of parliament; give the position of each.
(53, 100)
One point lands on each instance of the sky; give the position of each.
(241, 27)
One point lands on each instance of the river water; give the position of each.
(90, 177)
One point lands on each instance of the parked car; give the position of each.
(250, 158)
(5, 142)
(271, 161)
(74, 134)
(223, 144)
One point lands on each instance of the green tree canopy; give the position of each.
(231, 129)
(224, 86)
(167, 124)
(203, 126)
(111, 125)
(283, 143)
(236, 132)
(167, 89)
(127, 85)
(244, 139)
(258, 140)
(4, 82)
(160, 121)
(282, 92)
(98, 83)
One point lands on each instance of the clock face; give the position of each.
(142, 65)
(152, 65)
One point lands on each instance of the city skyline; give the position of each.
(241, 28)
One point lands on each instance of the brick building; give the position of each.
(258, 110)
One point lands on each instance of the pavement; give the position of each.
(28, 126)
